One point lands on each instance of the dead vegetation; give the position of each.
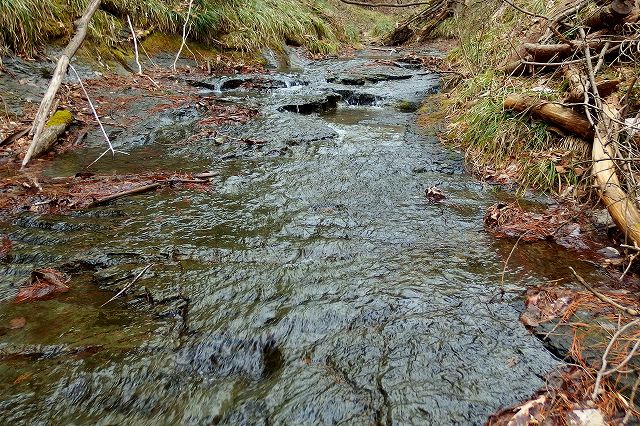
(42, 195)
(603, 377)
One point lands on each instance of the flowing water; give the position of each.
(314, 285)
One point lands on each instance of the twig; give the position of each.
(603, 369)
(526, 12)
(631, 408)
(602, 297)
(128, 286)
(184, 35)
(506, 262)
(93, 109)
(133, 191)
(135, 45)
(631, 259)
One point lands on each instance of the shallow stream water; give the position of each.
(314, 285)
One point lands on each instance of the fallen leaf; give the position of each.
(21, 378)
(17, 322)
(526, 412)
(434, 194)
(42, 284)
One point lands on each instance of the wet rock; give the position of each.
(602, 218)
(364, 75)
(310, 104)
(261, 82)
(353, 97)
(609, 252)
(407, 106)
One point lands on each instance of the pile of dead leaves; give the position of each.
(564, 401)
(558, 224)
(577, 325)
(63, 195)
(42, 284)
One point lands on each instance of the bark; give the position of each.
(61, 69)
(554, 114)
(577, 80)
(610, 15)
(545, 52)
(622, 209)
(55, 127)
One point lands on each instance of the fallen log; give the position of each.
(622, 209)
(610, 15)
(544, 52)
(578, 80)
(40, 120)
(134, 191)
(555, 114)
(55, 127)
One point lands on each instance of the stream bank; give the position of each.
(313, 283)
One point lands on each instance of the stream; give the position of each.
(315, 284)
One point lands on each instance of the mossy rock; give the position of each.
(61, 117)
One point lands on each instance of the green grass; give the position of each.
(26, 26)
(492, 137)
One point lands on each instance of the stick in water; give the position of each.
(128, 286)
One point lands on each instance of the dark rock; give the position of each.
(309, 104)
(353, 97)
(260, 82)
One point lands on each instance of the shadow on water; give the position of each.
(322, 288)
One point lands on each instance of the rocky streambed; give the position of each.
(313, 284)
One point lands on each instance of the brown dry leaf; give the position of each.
(528, 412)
(42, 284)
(17, 322)
(21, 378)
(434, 194)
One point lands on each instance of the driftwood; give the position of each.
(610, 15)
(622, 209)
(55, 127)
(558, 115)
(134, 191)
(61, 69)
(578, 82)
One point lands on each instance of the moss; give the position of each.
(60, 117)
